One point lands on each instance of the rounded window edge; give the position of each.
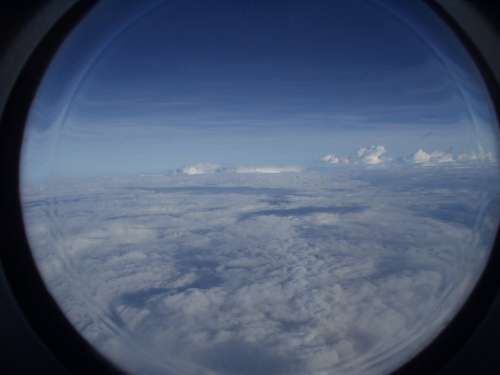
(39, 36)
(455, 336)
(45, 316)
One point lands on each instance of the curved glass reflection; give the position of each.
(261, 188)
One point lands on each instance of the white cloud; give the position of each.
(476, 156)
(334, 159)
(305, 293)
(269, 169)
(372, 155)
(422, 157)
(201, 168)
(324, 219)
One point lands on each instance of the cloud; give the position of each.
(374, 155)
(467, 157)
(368, 155)
(422, 157)
(324, 219)
(334, 159)
(371, 155)
(269, 169)
(201, 168)
(476, 156)
(324, 281)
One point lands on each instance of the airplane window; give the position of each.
(216, 187)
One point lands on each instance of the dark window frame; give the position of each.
(19, 85)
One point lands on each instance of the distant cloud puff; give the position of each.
(467, 157)
(268, 169)
(422, 157)
(372, 154)
(334, 159)
(367, 155)
(479, 156)
(201, 168)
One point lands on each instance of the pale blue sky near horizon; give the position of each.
(152, 86)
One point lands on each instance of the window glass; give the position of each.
(218, 187)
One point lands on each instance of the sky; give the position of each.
(158, 85)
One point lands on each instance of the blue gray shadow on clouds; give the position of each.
(240, 357)
(303, 211)
(245, 190)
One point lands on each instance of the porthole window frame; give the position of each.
(38, 306)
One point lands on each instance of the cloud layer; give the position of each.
(285, 274)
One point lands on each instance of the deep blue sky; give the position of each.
(150, 86)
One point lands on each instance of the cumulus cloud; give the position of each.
(476, 156)
(371, 155)
(367, 155)
(334, 159)
(201, 168)
(269, 169)
(434, 157)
